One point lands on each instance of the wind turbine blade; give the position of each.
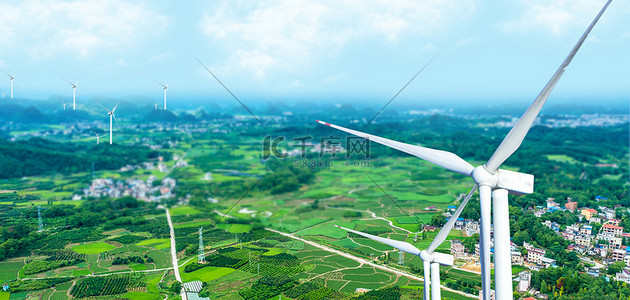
(400, 245)
(515, 137)
(441, 158)
(113, 110)
(117, 126)
(441, 236)
(104, 107)
(70, 83)
(159, 83)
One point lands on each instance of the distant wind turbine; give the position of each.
(98, 137)
(11, 77)
(74, 93)
(155, 104)
(112, 117)
(165, 88)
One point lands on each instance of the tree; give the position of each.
(616, 268)
(176, 287)
(543, 287)
(438, 220)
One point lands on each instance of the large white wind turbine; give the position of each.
(165, 88)
(11, 77)
(492, 182)
(111, 116)
(74, 93)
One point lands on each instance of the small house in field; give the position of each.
(429, 228)
(431, 208)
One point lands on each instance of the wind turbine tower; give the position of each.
(40, 223)
(98, 137)
(494, 185)
(165, 88)
(202, 256)
(112, 118)
(11, 77)
(74, 93)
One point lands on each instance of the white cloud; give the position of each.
(288, 35)
(466, 41)
(552, 16)
(46, 29)
(159, 57)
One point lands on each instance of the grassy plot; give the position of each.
(9, 269)
(5, 295)
(235, 228)
(93, 248)
(206, 274)
(562, 158)
(193, 224)
(141, 296)
(184, 210)
(155, 243)
(81, 272)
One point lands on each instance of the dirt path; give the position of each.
(178, 277)
(374, 216)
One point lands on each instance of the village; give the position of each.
(596, 238)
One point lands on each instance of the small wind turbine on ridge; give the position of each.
(74, 93)
(98, 137)
(11, 77)
(165, 88)
(112, 118)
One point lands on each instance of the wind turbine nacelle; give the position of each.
(516, 183)
(443, 259)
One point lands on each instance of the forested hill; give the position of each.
(37, 156)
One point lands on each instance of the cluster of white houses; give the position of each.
(150, 189)
(605, 244)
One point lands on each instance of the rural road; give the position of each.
(174, 253)
(363, 261)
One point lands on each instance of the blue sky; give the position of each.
(332, 51)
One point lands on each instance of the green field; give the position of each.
(235, 228)
(5, 295)
(141, 296)
(193, 224)
(155, 243)
(9, 270)
(81, 272)
(93, 248)
(183, 210)
(206, 274)
(562, 158)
